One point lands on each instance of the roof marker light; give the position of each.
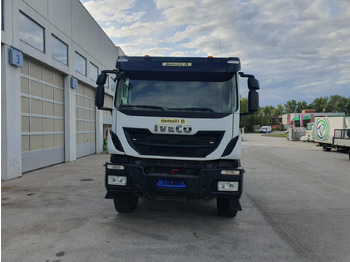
(122, 59)
(233, 62)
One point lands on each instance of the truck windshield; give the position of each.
(194, 96)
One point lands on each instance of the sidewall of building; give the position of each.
(44, 118)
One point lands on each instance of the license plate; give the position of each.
(171, 183)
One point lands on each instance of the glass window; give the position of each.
(93, 72)
(80, 64)
(185, 96)
(107, 83)
(113, 85)
(31, 32)
(2, 15)
(59, 50)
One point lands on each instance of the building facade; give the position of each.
(302, 119)
(51, 54)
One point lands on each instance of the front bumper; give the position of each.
(177, 179)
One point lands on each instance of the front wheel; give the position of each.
(125, 202)
(224, 209)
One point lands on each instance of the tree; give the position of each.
(278, 111)
(337, 103)
(247, 121)
(301, 106)
(320, 104)
(290, 106)
(263, 116)
(244, 105)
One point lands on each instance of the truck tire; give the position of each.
(224, 209)
(325, 147)
(125, 202)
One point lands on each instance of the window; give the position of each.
(93, 72)
(80, 64)
(107, 83)
(113, 85)
(2, 15)
(31, 32)
(185, 96)
(59, 50)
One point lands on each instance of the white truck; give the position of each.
(309, 135)
(175, 130)
(332, 132)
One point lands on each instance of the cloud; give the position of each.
(297, 49)
(103, 11)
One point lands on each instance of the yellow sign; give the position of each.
(172, 121)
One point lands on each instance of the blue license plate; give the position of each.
(171, 183)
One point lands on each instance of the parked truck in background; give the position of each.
(332, 132)
(175, 130)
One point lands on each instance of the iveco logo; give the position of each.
(173, 128)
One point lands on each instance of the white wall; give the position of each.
(71, 23)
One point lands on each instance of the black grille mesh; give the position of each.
(200, 144)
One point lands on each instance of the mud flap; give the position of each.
(234, 204)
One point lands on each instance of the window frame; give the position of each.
(2, 16)
(43, 50)
(93, 66)
(60, 41)
(77, 54)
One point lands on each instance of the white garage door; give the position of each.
(42, 105)
(85, 120)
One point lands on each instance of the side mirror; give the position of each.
(101, 79)
(253, 84)
(99, 95)
(253, 101)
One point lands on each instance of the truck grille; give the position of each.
(200, 144)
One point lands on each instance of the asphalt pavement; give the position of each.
(295, 208)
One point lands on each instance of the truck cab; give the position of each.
(175, 130)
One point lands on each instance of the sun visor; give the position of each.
(179, 68)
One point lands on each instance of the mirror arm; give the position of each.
(114, 71)
(105, 109)
(241, 74)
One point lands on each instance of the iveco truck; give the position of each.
(175, 130)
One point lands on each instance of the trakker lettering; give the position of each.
(176, 64)
(173, 128)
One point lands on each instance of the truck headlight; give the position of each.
(228, 186)
(117, 180)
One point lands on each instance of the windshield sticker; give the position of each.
(172, 121)
(176, 64)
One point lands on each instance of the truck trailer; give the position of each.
(175, 130)
(332, 132)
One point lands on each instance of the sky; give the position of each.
(297, 49)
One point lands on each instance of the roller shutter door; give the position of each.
(42, 105)
(85, 120)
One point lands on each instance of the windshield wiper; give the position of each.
(144, 106)
(204, 109)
